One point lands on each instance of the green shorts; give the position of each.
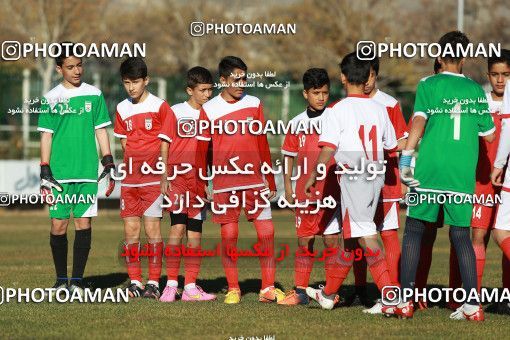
(425, 206)
(80, 198)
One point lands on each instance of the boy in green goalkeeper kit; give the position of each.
(73, 115)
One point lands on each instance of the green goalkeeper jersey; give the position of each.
(457, 114)
(72, 116)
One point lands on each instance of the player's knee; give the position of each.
(478, 236)
(306, 241)
(59, 227)
(331, 241)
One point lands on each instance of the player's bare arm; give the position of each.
(165, 185)
(289, 165)
(324, 157)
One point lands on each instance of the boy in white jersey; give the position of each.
(387, 214)
(356, 130)
(74, 115)
(178, 149)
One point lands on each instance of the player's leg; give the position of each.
(263, 223)
(83, 211)
(303, 265)
(307, 226)
(59, 215)
(479, 246)
(173, 254)
(155, 247)
(131, 213)
(501, 235)
(81, 249)
(58, 244)
(340, 264)
(229, 224)
(417, 217)
(193, 292)
(505, 264)
(427, 244)
(132, 227)
(481, 223)
(458, 216)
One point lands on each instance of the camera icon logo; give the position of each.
(391, 295)
(366, 50)
(11, 50)
(197, 28)
(5, 199)
(186, 127)
(412, 199)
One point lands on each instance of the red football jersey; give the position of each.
(252, 150)
(392, 188)
(140, 125)
(304, 147)
(487, 152)
(179, 130)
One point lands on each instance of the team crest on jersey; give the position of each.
(148, 124)
(88, 106)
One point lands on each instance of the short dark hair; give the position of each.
(453, 38)
(374, 63)
(67, 50)
(133, 68)
(198, 75)
(503, 58)
(357, 71)
(315, 78)
(437, 66)
(228, 64)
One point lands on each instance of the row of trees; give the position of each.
(326, 30)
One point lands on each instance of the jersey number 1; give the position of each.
(455, 115)
(372, 136)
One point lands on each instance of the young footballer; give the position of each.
(450, 114)
(357, 130)
(248, 151)
(178, 149)
(387, 215)
(138, 121)
(484, 215)
(74, 115)
(302, 149)
(501, 232)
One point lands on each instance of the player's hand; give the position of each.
(165, 184)
(108, 167)
(289, 197)
(406, 174)
(48, 183)
(310, 182)
(496, 175)
(272, 193)
(208, 196)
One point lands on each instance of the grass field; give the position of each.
(26, 262)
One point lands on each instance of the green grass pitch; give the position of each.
(26, 262)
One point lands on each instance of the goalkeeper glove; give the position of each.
(48, 182)
(108, 166)
(406, 174)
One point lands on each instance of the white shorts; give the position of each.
(386, 216)
(359, 200)
(503, 213)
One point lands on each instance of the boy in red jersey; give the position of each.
(248, 151)
(137, 123)
(303, 148)
(178, 150)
